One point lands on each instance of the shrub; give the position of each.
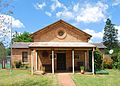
(107, 62)
(25, 66)
(116, 65)
(102, 72)
(82, 67)
(97, 60)
(18, 64)
(116, 59)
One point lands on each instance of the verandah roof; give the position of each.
(61, 44)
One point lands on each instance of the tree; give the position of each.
(8, 51)
(2, 54)
(5, 7)
(25, 37)
(5, 21)
(110, 38)
(5, 10)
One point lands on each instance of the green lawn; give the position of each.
(24, 78)
(113, 79)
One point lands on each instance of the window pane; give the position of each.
(24, 56)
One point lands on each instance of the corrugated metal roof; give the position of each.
(21, 44)
(61, 44)
(99, 45)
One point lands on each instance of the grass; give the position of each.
(113, 79)
(24, 78)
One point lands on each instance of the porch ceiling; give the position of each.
(61, 44)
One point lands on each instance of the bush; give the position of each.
(18, 64)
(24, 66)
(102, 72)
(116, 65)
(97, 60)
(107, 62)
(82, 67)
(116, 59)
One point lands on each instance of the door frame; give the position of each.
(62, 52)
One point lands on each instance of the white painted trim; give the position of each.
(52, 62)
(36, 59)
(85, 59)
(93, 71)
(32, 62)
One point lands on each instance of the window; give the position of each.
(24, 56)
(61, 33)
(77, 56)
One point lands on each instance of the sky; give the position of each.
(87, 15)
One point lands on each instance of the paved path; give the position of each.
(65, 79)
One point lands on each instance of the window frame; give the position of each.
(24, 56)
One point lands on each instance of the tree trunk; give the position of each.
(3, 64)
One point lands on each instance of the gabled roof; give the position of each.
(63, 22)
(99, 45)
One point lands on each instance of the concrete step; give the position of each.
(39, 72)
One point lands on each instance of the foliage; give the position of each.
(97, 60)
(8, 51)
(115, 58)
(113, 79)
(5, 7)
(116, 62)
(2, 51)
(102, 72)
(82, 67)
(25, 37)
(107, 62)
(24, 66)
(110, 38)
(18, 64)
(2, 54)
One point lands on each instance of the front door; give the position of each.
(61, 61)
